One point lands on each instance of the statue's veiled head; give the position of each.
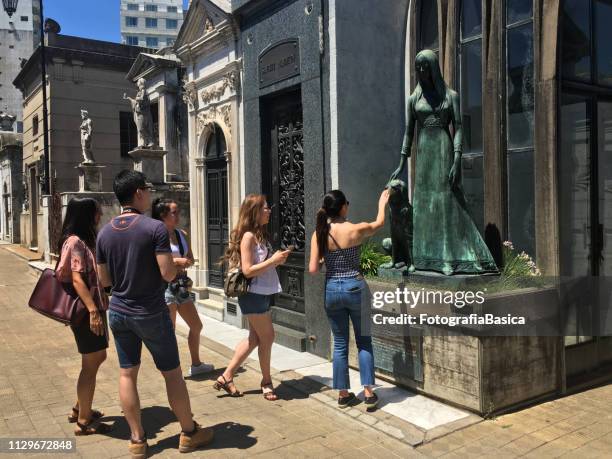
(84, 114)
(428, 72)
(141, 83)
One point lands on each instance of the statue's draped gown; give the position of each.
(445, 236)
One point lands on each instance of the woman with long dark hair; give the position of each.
(179, 299)
(337, 243)
(77, 266)
(249, 248)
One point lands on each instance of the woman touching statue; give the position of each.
(445, 238)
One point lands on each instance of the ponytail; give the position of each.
(322, 231)
(332, 205)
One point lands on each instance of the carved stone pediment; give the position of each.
(230, 81)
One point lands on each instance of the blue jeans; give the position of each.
(347, 298)
(155, 331)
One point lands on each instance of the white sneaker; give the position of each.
(200, 369)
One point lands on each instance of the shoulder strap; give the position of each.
(180, 242)
(335, 242)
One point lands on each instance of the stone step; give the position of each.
(290, 338)
(211, 308)
(288, 318)
(216, 294)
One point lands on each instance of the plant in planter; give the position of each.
(371, 259)
(519, 269)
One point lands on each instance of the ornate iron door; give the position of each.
(284, 164)
(217, 224)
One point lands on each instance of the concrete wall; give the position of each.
(11, 176)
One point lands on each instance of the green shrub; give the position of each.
(519, 269)
(372, 258)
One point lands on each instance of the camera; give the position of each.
(181, 288)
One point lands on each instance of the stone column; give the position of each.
(167, 133)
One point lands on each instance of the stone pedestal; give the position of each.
(90, 177)
(149, 161)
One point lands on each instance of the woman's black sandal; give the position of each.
(74, 417)
(344, 402)
(89, 429)
(225, 386)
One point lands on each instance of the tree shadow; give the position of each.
(227, 435)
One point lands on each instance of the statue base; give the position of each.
(90, 177)
(393, 274)
(149, 161)
(452, 282)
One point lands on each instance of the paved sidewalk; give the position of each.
(39, 366)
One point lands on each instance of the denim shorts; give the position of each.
(155, 331)
(173, 299)
(254, 303)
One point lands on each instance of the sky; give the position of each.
(98, 19)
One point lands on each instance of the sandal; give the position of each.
(88, 429)
(74, 417)
(225, 385)
(269, 395)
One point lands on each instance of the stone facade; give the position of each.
(81, 74)
(11, 186)
(209, 49)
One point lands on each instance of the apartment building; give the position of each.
(151, 23)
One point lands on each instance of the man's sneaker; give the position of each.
(200, 369)
(138, 449)
(371, 402)
(199, 437)
(344, 402)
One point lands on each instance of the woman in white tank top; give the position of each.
(167, 211)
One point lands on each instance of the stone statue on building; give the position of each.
(6, 121)
(445, 238)
(141, 106)
(86, 131)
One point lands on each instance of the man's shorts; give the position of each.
(155, 331)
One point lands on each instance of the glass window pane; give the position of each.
(473, 188)
(604, 167)
(471, 18)
(575, 187)
(576, 40)
(428, 24)
(521, 203)
(603, 38)
(518, 10)
(471, 95)
(520, 86)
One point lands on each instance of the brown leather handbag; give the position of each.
(57, 300)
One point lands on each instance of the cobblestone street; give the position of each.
(39, 366)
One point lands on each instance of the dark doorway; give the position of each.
(283, 184)
(217, 225)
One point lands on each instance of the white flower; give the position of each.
(509, 245)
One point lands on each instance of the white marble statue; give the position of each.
(141, 106)
(86, 131)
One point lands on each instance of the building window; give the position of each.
(24, 19)
(170, 41)
(128, 135)
(131, 40)
(151, 23)
(35, 125)
(470, 88)
(519, 124)
(132, 6)
(172, 9)
(428, 25)
(152, 42)
(171, 23)
(131, 21)
(151, 8)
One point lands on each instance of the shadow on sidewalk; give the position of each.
(154, 419)
(227, 435)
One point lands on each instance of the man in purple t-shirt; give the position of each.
(133, 255)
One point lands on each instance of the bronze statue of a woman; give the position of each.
(445, 238)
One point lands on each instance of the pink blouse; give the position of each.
(77, 257)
